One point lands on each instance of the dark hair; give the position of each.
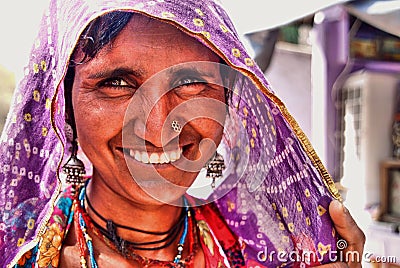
(100, 32)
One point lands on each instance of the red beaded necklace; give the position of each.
(82, 220)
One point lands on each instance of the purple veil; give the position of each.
(275, 192)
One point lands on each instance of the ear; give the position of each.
(69, 110)
(229, 78)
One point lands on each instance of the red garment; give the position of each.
(218, 242)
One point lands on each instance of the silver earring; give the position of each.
(74, 168)
(176, 126)
(214, 168)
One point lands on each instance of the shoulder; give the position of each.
(46, 252)
(63, 209)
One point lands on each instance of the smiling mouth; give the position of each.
(154, 158)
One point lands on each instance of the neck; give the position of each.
(154, 217)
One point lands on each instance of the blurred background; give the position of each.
(335, 64)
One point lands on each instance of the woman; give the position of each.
(154, 91)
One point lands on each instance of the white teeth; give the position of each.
(138, 156)
(155, 158)
(163, 158)
(173, 156)
(145, 158)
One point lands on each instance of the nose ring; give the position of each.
(176, 126)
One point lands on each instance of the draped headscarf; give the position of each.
(275, 192)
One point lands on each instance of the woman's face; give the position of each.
(126, 98)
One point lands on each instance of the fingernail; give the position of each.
(345, 210)
(343, 207)
(340, 205)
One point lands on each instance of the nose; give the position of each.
(157, 128)
(154, 127)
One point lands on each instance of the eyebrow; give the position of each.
(118, 72)
(192, 71)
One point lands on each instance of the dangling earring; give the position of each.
(215, 167)
(74, 168)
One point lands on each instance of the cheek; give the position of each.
(211, 129)
(212, 124)
(218, 132)
(96, 121)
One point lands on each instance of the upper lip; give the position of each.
(177, 144)
(155, 158)
(151, 149)
(145, 146)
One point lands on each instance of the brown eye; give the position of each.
(188, 81)
(116, 82)
(190, 88)
(116, 88)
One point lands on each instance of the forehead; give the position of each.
(146, 34)
(147, 46)
(145, 25)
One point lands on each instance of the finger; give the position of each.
(349, 231)
(345, 224)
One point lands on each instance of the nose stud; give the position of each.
(176, 126)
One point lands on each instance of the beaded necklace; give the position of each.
(121, 244)
(85, 243)
(145, 262)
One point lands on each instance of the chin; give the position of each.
(164, 190)
(155, 188)
(164, 193)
